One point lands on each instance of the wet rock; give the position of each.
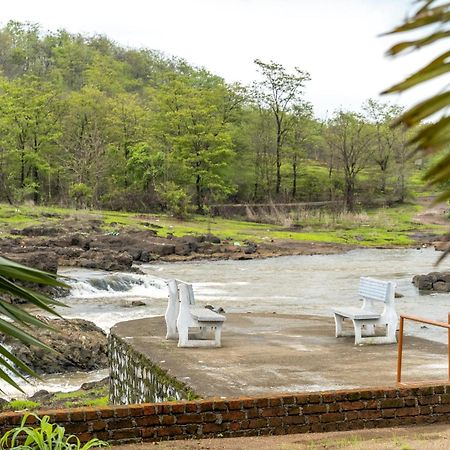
(138, 303)
(440, 286)
(250, 248)
(211, 238)
(433, 281)
(423, 282)
(38, 230)
(80, 346)
(40, 396)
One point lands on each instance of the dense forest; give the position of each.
(85, 122)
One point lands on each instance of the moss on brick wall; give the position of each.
(136, 379)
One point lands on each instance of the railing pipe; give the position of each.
(400, 339)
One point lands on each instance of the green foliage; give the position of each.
(46, 436)
(81, 193)
(175, 199)
(430, 23)
(10, 272)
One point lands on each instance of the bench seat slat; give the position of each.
(357, 313)
(205, 315)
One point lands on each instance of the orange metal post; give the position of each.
(400, 350)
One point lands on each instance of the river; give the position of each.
(310, 285)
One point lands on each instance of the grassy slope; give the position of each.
(382, 227)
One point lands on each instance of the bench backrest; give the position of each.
(378, 290)
(189, 288)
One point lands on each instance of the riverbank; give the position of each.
(50, 237)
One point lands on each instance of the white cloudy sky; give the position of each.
(336, 41)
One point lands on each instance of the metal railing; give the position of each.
(400, 339)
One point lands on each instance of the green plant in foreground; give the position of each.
(46, 436)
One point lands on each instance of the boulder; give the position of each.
(441, 286)
(80, 346)
(423, 282)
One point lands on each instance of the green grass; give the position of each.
(20, 405)
(381, 227)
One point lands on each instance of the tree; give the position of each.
(386, 139)
(282, 94)
(10, 272)
(349, 137)
(196, 132)
(431, 19)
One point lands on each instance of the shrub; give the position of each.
(46, 436)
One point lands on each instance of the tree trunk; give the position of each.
(294, 177)
(350, 193)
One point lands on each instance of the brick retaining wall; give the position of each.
(250, 416)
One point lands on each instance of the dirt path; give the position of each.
(433, 214)
(431, 437)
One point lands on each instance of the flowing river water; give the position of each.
(309, 285)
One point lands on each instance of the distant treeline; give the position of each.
(85, 122)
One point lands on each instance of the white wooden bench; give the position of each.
(366, 318)
(188, 323)
(173, 307)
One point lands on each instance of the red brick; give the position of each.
(106, 413)
(293, 410)
(257, 423)
(388, 412)
(234, 426)
(290, 400)
(275, 411)
(438, 409)
(410, 401)
(120, 424)
(151, 433)
(91, 414)
(219, 406)
(332, 417)
(353, 396)
(136, 410)
(372, 404)
(235, 404)
(205, 405)
(252, 413)
(349, 406)
(167, 420)
(98, 425)
(213, 427)
(275, 401)
(178, 408)
(293, 420)
(445, 398)
(314, 398)
(352, 415)
(275, 421)
(370, 414)
(77, 427)
(314, 409)
(262, 402)
(189, 418)
(121, 435)
(425, 410)
(121, 411)
(301, 399)
(212, 417)
(169, 431)
(248, 403)
(391, 403)
(77, 416)
(233, 416)
(333, 407)
(147, 421)
(192, 407)
(166, 408)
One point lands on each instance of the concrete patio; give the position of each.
(268, 353)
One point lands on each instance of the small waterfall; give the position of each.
(117, 285)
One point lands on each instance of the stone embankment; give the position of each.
(433, 281)
(80, 346)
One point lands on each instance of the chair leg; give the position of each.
(217, 335)
(338, 320)
(358, 337)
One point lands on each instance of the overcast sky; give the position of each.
(336, 41)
